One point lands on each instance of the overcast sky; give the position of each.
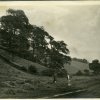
(77, 24)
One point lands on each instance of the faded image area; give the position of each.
(49, 49)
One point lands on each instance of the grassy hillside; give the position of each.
(72, 68)
(21, 61)
(13, 81)
(17, 84)
(76, 66)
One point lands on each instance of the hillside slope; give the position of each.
(21, 61)
(72, 68)
(17, 84)
(76, 66)
(13, 81)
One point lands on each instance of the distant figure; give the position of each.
(69, 81)
(54, 77)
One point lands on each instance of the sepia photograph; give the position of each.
(49, 50)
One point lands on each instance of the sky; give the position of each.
(77, 23)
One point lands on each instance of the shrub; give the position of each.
(22, 68)
(86, 72)
(47, 72)
(79, 73)
(32, 69)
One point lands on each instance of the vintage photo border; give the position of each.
(44, 2)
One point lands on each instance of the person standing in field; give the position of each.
(54, 77)
(69, 80)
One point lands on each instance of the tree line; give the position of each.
(18, 35)
(95, 66)
(80, 60)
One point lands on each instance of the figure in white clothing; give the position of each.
(69, 81)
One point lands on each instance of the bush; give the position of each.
(79, 73)
(32, 69)
(86, 72)
(22, 68)
(48, 72)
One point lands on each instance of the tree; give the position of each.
(45, 47)
(32, 69)
(79, 73)
(95, 66)
(84, 61)
(58, 56)
(39, 42)
(59, 53)
(14, 26)
(81, 60)
(86, 71)
(15, 31)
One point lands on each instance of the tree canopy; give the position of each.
(15, 32)
(15, 29)
(95, 66)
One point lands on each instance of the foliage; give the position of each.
(22, 68)
(39, 42)
(95, 66)
(18, 35)
(86, 72)
(58, 54)
(80, 60)
(79, 73)
(46, 49)
(47, 72)
(14, 30)
(32, 69)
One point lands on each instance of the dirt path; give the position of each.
(92, 85)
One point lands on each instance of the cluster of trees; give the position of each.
(85, 72)
(95, 66)
(80, 60)
(18, 35)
